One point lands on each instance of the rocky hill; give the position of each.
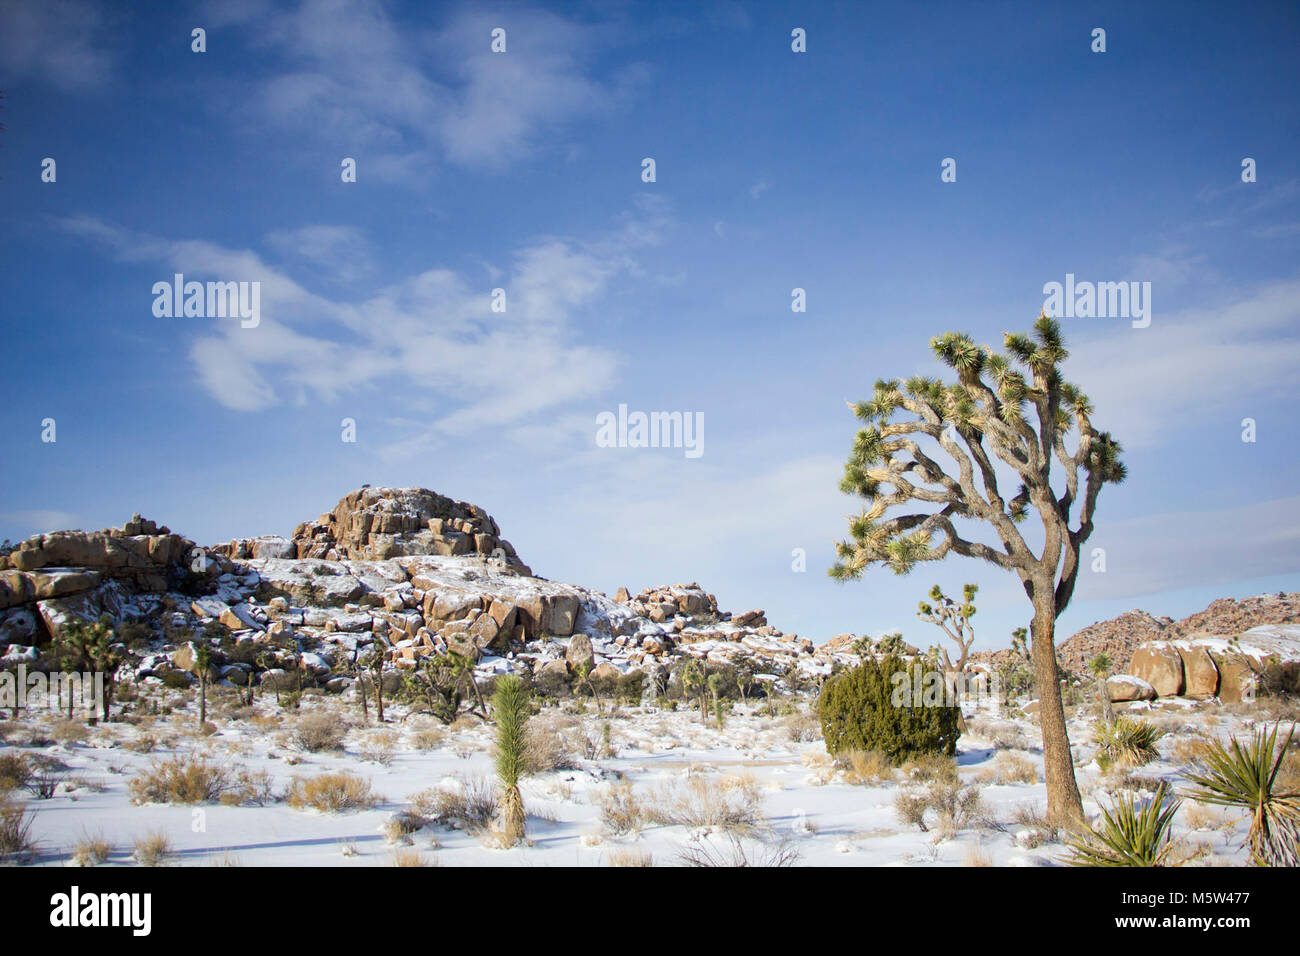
(1121, 636)
(414, 571)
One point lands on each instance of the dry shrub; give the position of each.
(629, 856)
(555, 741)
(733, 802)
(251, 788)
(925, 768)
(621, 810)
(1198, 816)
(411, 857)
(15, 831)
(401, 825)
(801, 728)
(142, 744)
(427, 736)
(189, 779)
(378, 748)
(317, 732)
(331, 792)
(466, 805)
(15, 771)
(153, 849)
(738, 853)
(977, 856)
(864, 768)
(1008, 767)
(69, 731)
(1002, 734)
(954, 806)
(92, 850)
(1187, 750)
(1037, 830)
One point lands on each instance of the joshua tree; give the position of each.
(983, 422)
(954, 620)
(202, 662)
(510, 703)
(1100, 667)
(693, 683)
(583, 671)
(462, 669)
(93, 648)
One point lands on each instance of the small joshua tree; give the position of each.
(202, 663)
(954, 620)
(693, 684)
(510, 703)
(715, 689)
(994, 415)
(1100, 666)
(375, 662)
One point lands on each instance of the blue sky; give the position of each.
(522, 171)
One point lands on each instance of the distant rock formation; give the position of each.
(1118, 638)
(52, 578)
(374, 524)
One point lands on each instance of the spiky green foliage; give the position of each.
(94, 648)
(510, 706)
(1244, 776)
(1127, 742)
(1132, 832)
(977, 420)
(858, 710)
(953, 619)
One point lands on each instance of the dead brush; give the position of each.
(955, 807)
(16, 841)
(736, 852)
(92, 850)
(153, 849)
(734, 802)
(801, 728)
(864, 768)
(621, 809)
(556, 741)
(331, 792)
(466, 805)
(924, 768)
(628, 856)
(1010, 767)
(316, 732)
(426, 736)
(250, 788)
(186, 779)
(1037, 831)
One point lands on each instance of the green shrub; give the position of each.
(1126, 742)
(859, 710)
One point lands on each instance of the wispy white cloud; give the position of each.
(433, 335)
(1161, 380)
(61, 42)
(408, 93)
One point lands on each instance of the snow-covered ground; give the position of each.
(772, 768)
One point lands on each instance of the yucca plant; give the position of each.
(1127, 742)
(1131, 833)
(510, 702)
(1243, 776)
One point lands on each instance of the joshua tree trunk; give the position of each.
(1064, 805)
